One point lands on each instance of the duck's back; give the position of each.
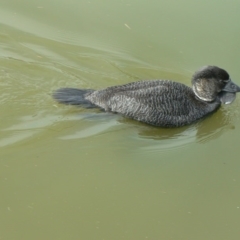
(159, 102)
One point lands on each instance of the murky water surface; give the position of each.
(71, 173)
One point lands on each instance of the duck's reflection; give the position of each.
(156, 138)
(205, 130)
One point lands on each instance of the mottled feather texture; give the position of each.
(157, 102)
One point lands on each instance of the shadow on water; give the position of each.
(156, 138)
(202, 131)
(95, 123)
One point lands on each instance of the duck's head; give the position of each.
(211, 82)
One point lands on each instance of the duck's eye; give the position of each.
(224, 81)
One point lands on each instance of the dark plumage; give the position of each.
(160, 102)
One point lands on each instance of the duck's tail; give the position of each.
(73, 96)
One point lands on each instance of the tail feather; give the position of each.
(73, 96)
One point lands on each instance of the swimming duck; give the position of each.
(161, 103)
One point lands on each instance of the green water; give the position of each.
(71, 173)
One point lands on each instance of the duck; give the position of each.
(162, 103)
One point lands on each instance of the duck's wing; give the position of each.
(106, 97)
(153, 102)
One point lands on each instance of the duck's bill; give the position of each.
(227, 97)
(231, 87)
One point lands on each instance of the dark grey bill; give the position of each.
(231, 87)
